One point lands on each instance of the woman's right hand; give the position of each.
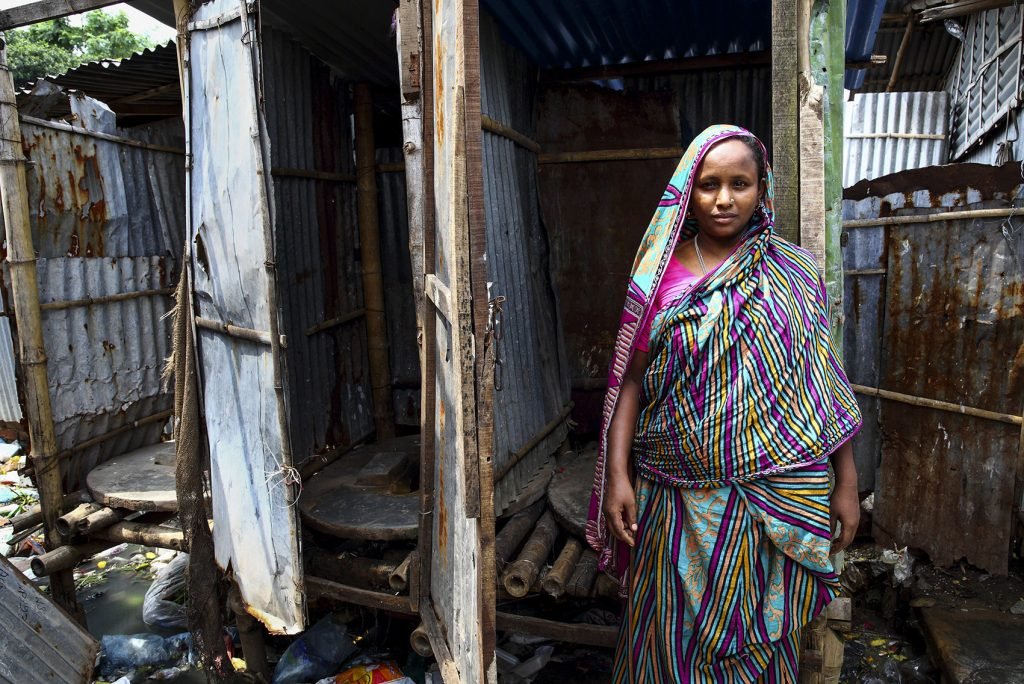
(620, 508)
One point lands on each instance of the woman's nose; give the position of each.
(724, 199)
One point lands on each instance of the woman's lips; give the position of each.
(723, 218)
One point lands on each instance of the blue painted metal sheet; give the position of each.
(862, 20)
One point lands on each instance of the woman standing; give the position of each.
(726, 401)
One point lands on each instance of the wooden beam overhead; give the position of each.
(35, 12)
(659, 66)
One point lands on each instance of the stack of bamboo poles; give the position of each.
(535, 535)
(89, 528)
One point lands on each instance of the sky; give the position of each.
(138, 21)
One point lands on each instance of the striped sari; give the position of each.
(743, 400)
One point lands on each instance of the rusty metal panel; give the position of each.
(95, 197)
(104, 360)
(329, 394)
(533, 383)
(399, 300)
(593, 242)
(863, 302)
(39, 642)
(875, 128)
(230, 204)
(954, 292)
(985, 85)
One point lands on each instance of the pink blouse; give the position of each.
(676, 281)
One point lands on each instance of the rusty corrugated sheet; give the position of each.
(399, 300)
(39, 642)
(877, 129)
(329, 396)
(985, 84)
(106, 220)
(532, 381)
(951, 330)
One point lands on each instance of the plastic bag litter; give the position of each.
(121, 653)
(902, 564)
(158, 608)
(317, 654)
(370, 671)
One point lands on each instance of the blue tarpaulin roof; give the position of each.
(862, 20)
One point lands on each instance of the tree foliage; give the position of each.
(53, 47)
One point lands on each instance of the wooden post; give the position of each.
(369, 245)
(21, 260)
(785, 154)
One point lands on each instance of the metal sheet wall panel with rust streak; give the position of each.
(955, 291)
(864, 250)
(39, 642)
(255, 522)
(105, 360)
(399, 300)
(535, 382)
(329, 398)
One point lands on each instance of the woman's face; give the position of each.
(726, 191)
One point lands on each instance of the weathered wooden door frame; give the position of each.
(461, 304)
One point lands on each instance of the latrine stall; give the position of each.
(95, 232)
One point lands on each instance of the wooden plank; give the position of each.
(483, 462)
(737, 60)
(318, 586)
(438, 293)
(39, 640)
(587, 635)
(811, 146)
(34, 12)
(785, 140)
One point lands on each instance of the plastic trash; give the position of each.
(121, 653)
(370, 671)
(317, 654)
(161, 607)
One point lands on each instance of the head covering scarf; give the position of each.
(762, 389)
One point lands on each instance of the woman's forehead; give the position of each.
(729, 156)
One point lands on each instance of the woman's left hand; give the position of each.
(845, 508)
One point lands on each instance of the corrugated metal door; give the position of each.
(457, 608)
(230, 212)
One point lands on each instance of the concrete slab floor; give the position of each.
(979, 646)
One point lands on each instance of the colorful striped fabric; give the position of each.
(743, 379)
(723, 579)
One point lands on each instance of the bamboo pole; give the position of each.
(933, 218)
(144, 534)
(555, 581)
(493, 126)
(248, 334)
(507, 542)
(537, 438)
(373, 284)
(521, 574)
(939, 405)
(106, 436)
(250, 633)
(370, 573)
(34, 514)
(65, 558)
(581, 583)
(67, 524)
(68, 128)
(319, 586)
(420, 641)
(891, 85)
(399, 579)
(101, 519)
(335, 322)
(626, 154)
(92, 301)
(21, 259)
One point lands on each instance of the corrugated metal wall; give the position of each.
(738, 96)
(1003, 143)
(399, 300)
(920, 299)
(308, 116)
(532, 384)
(985, 84)
(106, 219)
(885, 132)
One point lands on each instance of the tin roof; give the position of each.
(143, 86)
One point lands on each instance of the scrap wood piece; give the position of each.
(42, 642)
